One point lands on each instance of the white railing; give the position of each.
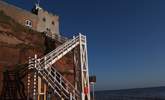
(54, 79)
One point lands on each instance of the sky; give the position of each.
(126, 38)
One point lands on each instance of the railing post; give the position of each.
(35, 60)
(74, 95)
(71, 96)
(60, 81)
(45, 63)
(35, 79)
(34, 87)
(28, 81)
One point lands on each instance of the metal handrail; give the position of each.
(45, 69)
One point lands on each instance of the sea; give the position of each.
(152, 93)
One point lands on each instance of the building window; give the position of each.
(48, 30)
(44, 19)
(28, 23)
(53, 23)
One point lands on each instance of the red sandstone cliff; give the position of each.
(17, 43)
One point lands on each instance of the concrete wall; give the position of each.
(48, 21)
(51, 21)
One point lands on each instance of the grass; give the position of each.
(4, 18)
(16, 27)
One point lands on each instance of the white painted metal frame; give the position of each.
(84, 67)
(49, 74)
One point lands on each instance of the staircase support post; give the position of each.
(28, 82)
(35, 80)
(84, 68)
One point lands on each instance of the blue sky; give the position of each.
(126, 44)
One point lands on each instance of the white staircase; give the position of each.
(60, 86)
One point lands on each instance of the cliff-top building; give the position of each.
(38, 19)
(43, 69)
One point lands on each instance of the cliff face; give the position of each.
(18, 43)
